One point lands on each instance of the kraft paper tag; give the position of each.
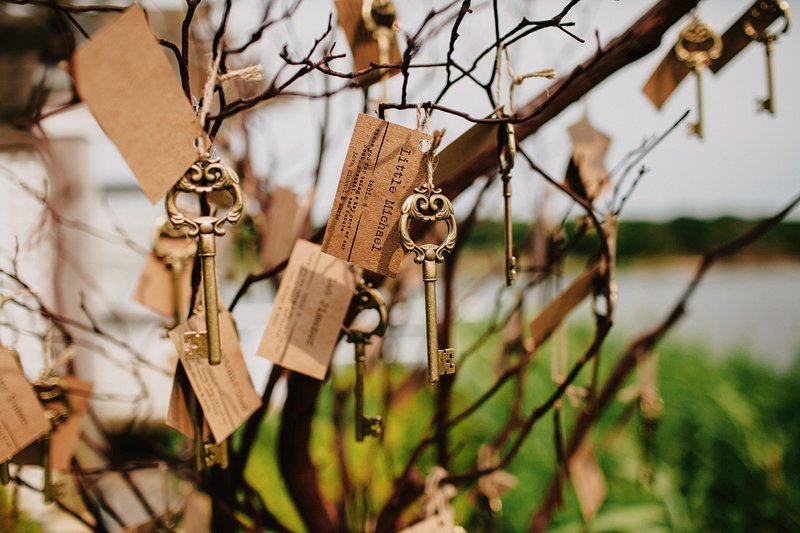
(562, 305)
(22, 418)
(154, 288)
(178, 415)
(588, 480)
(665, 78)
(197, 513)
(125, 78)
(283, 222)
(456, 156)
(67, 434)
(587, 176)
(383, 165)
(225, 392)
(362, 45)
(309, 310)
(734, 40)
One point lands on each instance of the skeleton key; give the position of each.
(768, 40)
(379, 17)
(50, 391)
(506, 152)
(175, 259)
(206, 454)
(427, 204)
(689, 50)
(205, 177)
(366, 297)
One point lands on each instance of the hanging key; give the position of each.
(366, 297)
(55, 400)
(427, 204)
(174, 250)
(506, 152)
(206, 453)
(767, 38)
(5, 473)
(202, 178)
(698, 45)
(379, 17)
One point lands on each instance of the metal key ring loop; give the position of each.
(368, 298)
(765, 35)
(429, 208)
(698, 32)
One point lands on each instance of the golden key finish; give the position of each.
(55, 400)
(768, 39)
(379, 17)
(698, 45)
(206, 454)
(175, 259)
(506, 152)
(366, 297)
(206, 177)
(427, 204)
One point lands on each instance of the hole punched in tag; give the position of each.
(204, 177)
(698, 45)
(366, 298)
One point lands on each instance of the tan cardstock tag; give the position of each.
(125, 78)
(665, 78)
(154, 288)
(588, 480)
(66, 435)
(383, 165)
(225, 391)
(362, 45)
(178, 416)
(283, 222)
(308, 312)
(587, 176)
(22, 417)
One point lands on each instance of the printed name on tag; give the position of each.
(308, 312)
(383, 165)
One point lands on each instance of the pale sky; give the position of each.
(746, 165)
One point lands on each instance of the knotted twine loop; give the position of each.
(515, 80)
(250, 73)
(437, 497)
(431, 158)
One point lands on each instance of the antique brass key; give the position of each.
(379, 17)
(506, 152)
(366, 297)
(175, 257)
(206, 177)
(768, 39)
(206, 454)
(427, 204)
(698, 45)
(55, 400)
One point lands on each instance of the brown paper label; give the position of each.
(197, 513)
(284, 219)
(665, 78)
(438, 523)
(562, 305)
(125, 78)
(225, 391)
(22, 417)
(589, 146)
(588, 480)
(383, 165)
(362, 44)
(308, 312)
(154, 288)
(178, 416)
(456, 156)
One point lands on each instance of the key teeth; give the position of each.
(447, 364)
(215, 454)
(195, 344)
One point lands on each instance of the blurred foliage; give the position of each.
(14, 520)
(681, 236)
(725, 455)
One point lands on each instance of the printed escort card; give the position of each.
(309, 311)
(125, 78)
(224, 391)
(22, 417)
(383, 165)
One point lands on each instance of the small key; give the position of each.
(366, 297)
(167, 249)
(698, 45)
(54, 398)
(768, 39)
(506, 152)
(206, 177)
(427, 204)
(379, 17)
